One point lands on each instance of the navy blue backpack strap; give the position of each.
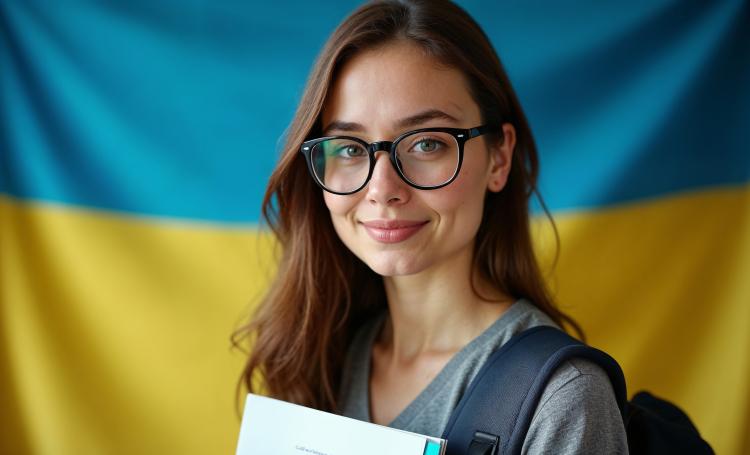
(495, 412)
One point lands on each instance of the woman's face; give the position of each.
(392, 227)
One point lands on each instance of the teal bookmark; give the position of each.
(432, 448)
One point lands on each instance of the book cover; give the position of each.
(274, 427)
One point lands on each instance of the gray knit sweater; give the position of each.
(577, 412)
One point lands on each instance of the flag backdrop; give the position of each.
(135, 142)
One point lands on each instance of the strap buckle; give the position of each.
(484, 444)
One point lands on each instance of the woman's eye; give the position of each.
(351, 151)
(427, 145)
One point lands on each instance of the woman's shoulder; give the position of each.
(522, 315)
(577, 413)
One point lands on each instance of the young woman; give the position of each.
(401, 205)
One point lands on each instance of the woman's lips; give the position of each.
(392, 231)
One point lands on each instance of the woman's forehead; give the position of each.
(380, 88)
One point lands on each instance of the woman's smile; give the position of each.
(392, 231)
(393, 227)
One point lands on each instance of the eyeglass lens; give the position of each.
(425, 159)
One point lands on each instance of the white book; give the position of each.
(274, 427)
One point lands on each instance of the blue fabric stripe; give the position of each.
(177, 108)
(642, 109)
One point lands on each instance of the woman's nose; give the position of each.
(385, 186)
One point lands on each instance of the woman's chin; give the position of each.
(394, 265)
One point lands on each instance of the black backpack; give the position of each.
(516, 375)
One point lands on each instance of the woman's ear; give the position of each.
(501, 154)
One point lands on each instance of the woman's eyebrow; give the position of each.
(401, 124)
(338, 125)
(424, 117)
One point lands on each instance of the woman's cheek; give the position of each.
(339, 205)
(463, 191)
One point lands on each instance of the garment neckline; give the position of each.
(423, 398)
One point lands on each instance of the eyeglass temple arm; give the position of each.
(484, 129)
(478, 131)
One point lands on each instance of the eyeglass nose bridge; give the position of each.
(385, 146)
(380, 145)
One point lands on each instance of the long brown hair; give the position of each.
(322, 292)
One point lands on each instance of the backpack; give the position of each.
(516, 375)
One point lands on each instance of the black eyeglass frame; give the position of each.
(461, 135)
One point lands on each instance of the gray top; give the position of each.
(577, 412)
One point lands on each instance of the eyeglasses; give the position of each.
(426, 159)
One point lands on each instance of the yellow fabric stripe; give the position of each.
(663, 286)
(117, 331)
(114, 330)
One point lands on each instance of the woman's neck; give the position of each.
(438, 311)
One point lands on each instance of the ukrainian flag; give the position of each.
(135, 142)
